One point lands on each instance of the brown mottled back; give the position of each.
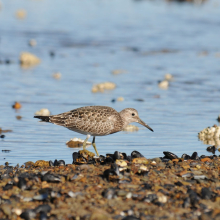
(95, 120)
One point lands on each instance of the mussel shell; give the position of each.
(170, 155)
(195, 156)
(75, 156)
(136, 154)
(117, 155)
(186, 157)
(51, 163)
(211, 149)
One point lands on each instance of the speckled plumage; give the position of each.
(95, 120)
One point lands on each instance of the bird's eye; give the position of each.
(133, 114)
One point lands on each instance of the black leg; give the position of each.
(94, 145)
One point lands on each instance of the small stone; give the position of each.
(199, 177)
(40, 197)
(205, 159)
(164, 84)
(99, 214)
(18, 117)
(28, 214)
(168, 77)
(21, 14)
(153, 163)
(43, 208)
(57, 75)
(161, 198)
(32, 42)
(170, 155)
(17, 105)
(27, 59)
(143, 168)
(118, 71)
(41, 163)
(6, 209)
(141, 160)
(120, 99)
(121, 163)
(17, 211)
(206, 193)
(43, 112)
(101, 87)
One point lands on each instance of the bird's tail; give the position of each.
(43, 118)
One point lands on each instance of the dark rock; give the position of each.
(211, 149)
(169, 186)
(186, 202)
(75, 157)
(195, 156)
(43, 208)
(124, 156)
(130, 217)
(115, 168)
(43, 216)
(206, 193)
(109, 193)
(147, 186)
(52, 53)
(128, 158)
(109, 158)
(203, 206)
(7, 61)
(114, 171)
(139, 100)
(165, 160)
(186, 157)
(28, 214)
(51, 178)
(150, 198)
(8, 186)
(194, 199)
(22, 183)
(136, 154)
(51, 163)
(178, 183)
(117, 155)
(59, 163)
(170, 155)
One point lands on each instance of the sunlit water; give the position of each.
(147, 39)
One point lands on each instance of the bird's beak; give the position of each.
(144, 124)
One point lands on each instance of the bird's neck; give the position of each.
(125, 122)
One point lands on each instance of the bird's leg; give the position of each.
(94, 145)
(84, 143)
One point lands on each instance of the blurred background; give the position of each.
(54, 53)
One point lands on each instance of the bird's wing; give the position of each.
(99, 120)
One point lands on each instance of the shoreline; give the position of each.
(113, 188)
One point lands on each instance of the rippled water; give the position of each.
(90, 39)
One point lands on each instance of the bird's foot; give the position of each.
(94, 145)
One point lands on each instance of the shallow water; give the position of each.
(92, 38)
